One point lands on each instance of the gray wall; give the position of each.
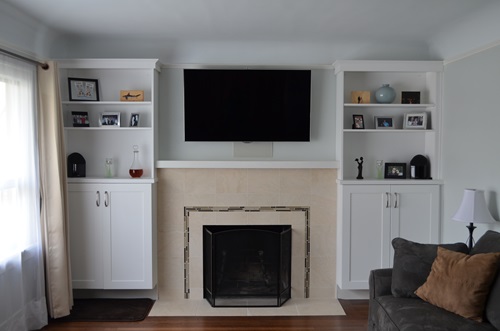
(471, 137)
(171, 124)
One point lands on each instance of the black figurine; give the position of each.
(360, 168)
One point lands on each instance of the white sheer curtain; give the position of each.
(22, 294)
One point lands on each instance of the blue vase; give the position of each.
(385, 94)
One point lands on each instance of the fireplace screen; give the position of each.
(247, 265)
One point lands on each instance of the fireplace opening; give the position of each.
(247, 265)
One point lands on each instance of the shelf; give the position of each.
(389, 181)
(249, 164)
(99, 128)
(114, 180)
(389, 130)
(108, 103)
(390, 105)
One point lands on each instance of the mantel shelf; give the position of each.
(248, 164)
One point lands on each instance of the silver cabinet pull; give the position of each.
(97, 198)
(396, 195)
(388, 200)
(106, 198)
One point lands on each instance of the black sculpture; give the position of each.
(360, 168)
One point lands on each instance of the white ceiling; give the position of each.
(251, 20)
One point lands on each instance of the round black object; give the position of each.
(419, 167)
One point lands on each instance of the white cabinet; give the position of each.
(112, 219)
(375, 210)
(112, 236)
(375, 214)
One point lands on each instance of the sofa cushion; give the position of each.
(490, 242)
(412, 264)
(460, 283)
(413, 314)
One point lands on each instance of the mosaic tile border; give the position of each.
(202, 209)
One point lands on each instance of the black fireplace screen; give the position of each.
(247, 265)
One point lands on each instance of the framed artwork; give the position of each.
(384, 122)
(415, 121)
(83, 89)
(358, 122)
(134, 120)
(395, 170)
(410, 97)
(360, 97)
(131, 95)
(80, 118)
(110, 119)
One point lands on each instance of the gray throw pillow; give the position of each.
(412, 264)
(490, 243)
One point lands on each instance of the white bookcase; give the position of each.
(112, 220)
(96, 143)
(373, 211)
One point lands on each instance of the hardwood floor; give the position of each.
(356, 319)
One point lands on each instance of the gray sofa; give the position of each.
(393, 304)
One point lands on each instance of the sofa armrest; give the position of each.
(380, 282)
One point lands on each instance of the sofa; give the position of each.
(438, 287)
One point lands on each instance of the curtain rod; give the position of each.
(43, 65)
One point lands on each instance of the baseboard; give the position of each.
(115, 294)
(352, 294)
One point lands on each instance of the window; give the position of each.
(19, 195)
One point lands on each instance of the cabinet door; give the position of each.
(86, 219)
(415, 213)
(128, 255)
(365, 233)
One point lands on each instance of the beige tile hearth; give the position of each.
(293, 307)
(312, 188)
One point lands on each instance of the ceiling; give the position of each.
(325, 21)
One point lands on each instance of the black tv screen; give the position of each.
(247, 105)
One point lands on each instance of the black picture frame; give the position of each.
(395, 171)
(83, 89)
(80, 119)
(410, 97)
(358, 122)
(134, 120)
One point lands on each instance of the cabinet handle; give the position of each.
(106, 198)
(388, 200)
(97, 198)
(396, 200)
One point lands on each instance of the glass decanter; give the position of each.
(136, 170)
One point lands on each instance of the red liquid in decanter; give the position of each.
(136, 173)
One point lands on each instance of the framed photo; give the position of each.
(80, 118)
(395, 170)
(358, 122)
(415, 121)
(134, 120)
(360, 97)
(83, 89)
(384, 122)
(110, 119)
(410, 97)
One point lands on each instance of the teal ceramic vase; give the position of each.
(385, 94)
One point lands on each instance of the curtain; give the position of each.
(54, 215)
(22, 293)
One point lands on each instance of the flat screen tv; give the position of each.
(247, 105)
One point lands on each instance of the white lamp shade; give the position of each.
(473, 208)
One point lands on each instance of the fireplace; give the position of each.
(247, 265)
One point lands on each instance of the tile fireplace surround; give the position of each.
(180, 188)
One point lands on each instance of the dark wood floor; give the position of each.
(356, 319)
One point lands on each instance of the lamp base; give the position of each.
(470, 241)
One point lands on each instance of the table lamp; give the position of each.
(473, 209)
